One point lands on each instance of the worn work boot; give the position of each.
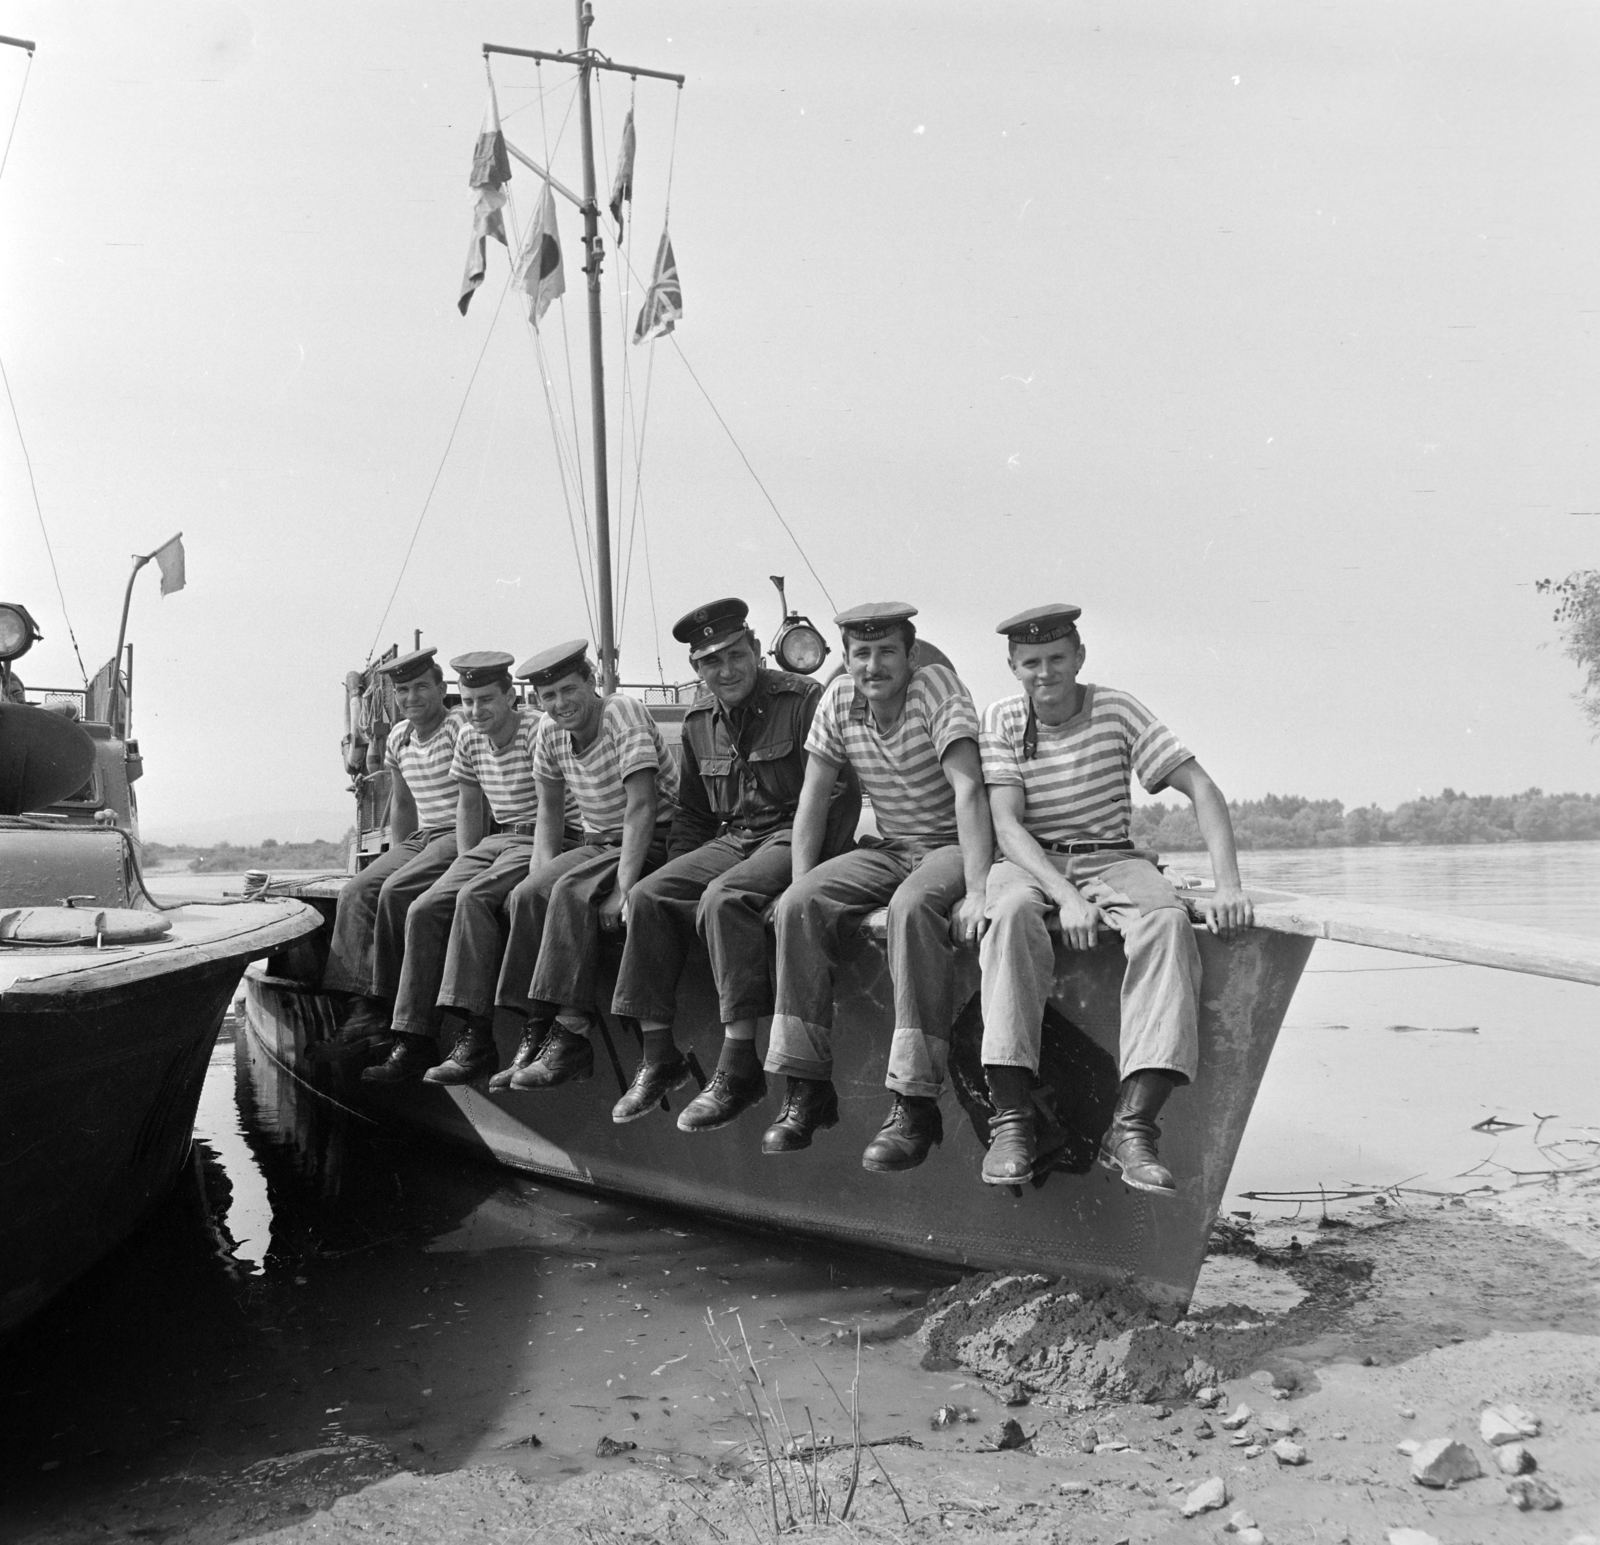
(474, 1057)
(410, 1058)
(653, 1082)
(1013, 1148)
(1130, 1141)
(808, 1105)
(913, 1127)
(723, 1100)
(562, 1057)
(533, 1035)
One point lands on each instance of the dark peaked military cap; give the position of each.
(876, 619)
(409, 666)
(711, 626)
(550, 665)
(483, 668)
(1041, 624)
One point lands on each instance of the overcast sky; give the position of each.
(1265, 333)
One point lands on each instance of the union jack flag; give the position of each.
(664, 304)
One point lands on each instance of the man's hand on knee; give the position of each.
(1080, 922)
(967, 920)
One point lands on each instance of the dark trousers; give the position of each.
(719, 893)
(569, 950)
(920, 885)
(454, 935)
(369, 925)
(525, 914)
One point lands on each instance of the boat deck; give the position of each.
(202, 932)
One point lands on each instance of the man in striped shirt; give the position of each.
(910, 732)
(608, 754)
(452, 942)
(369, 925)
(1058, 759)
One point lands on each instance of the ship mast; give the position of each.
(588, 60)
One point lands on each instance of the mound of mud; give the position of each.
(1079, 1346)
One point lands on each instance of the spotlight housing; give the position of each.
(18, 631)
(798, 645)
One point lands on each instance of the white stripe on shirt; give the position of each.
(628, 741)
(1077, 786)
(425, 765)
(900, 769)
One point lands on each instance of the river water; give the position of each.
(315, 1288)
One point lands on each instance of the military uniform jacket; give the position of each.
(743, 771)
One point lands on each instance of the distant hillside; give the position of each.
(226, 858)
(1288, 821)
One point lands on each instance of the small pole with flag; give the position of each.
(169, 559)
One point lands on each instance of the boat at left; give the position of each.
(110, 1001)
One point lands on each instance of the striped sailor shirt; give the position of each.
(900, 768)
(425, 765)
(1077, 785)
(628, 741)
(505, 774)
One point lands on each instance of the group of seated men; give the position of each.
(519, 839)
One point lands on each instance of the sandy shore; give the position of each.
(1396, 1322)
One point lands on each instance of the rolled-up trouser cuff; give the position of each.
(799, 1048)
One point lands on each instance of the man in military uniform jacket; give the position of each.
(728, 855)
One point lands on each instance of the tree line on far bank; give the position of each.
(227, 858)
(1288, 821)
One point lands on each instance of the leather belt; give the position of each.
(1086, 847)
(523, 828)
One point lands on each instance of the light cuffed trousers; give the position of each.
(920, 885)
(1160, 988)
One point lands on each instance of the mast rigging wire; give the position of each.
(26, 73)
(43, 530)
(438, 473)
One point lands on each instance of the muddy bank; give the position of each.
(1390, 1327)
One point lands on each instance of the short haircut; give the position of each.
(905, 627)
(435, 673)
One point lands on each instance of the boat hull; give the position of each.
(97, 1104)
(1079, 1220)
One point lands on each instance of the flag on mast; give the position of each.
(622, 184)
(539, 272)
(169, 557)
(491, 170)
(664, 304)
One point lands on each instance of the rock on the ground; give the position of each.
(1252, 1537)
(1240, 1414)
(1495, 1428)
(1408, 1446)
(1411, 1537)
(1444, 1462)
(1287, 1452)
(1239, 1520)
(1207, 1497)
(1532, 1495)
(1515, 1458)
(1524, 1420)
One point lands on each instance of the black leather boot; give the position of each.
(653, 1082)
(533, 1035)
(1130, 1141)
(722, 1101)
(1013, 1148)
(410, 1058)
(903, 1142)
(474, 1057)
(562, 1057)
(809, 1104)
